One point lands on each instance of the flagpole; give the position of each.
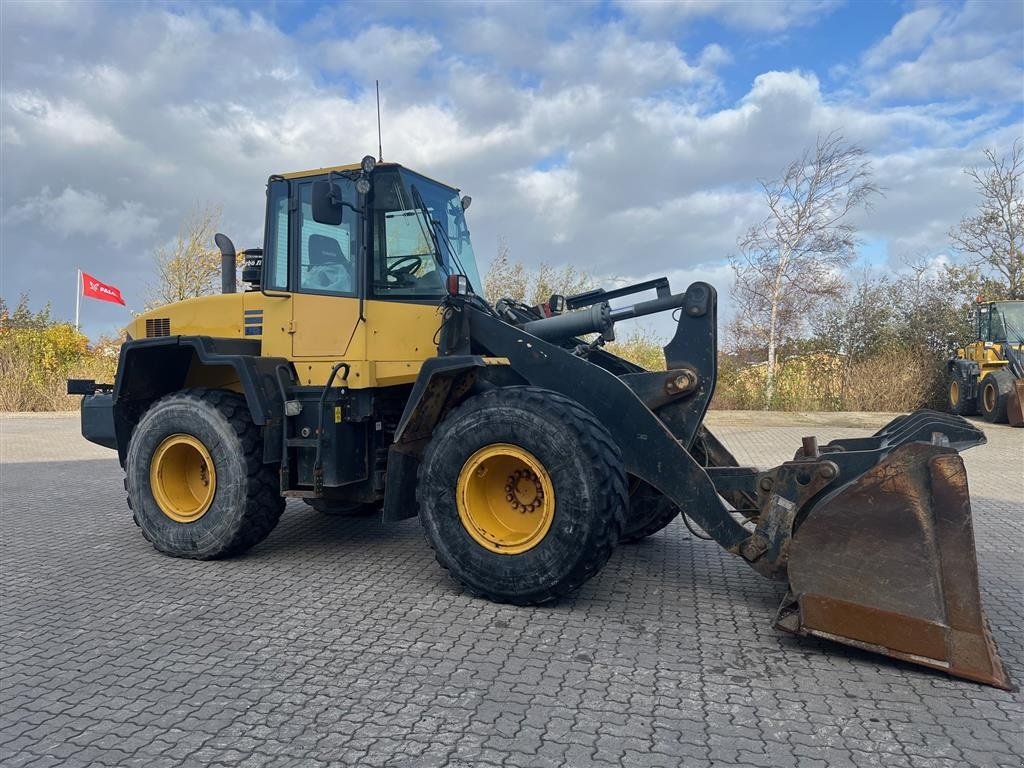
(78, 295)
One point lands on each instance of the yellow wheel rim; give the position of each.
(506, 499)
(954, 393)
(183, 478)
(989, 396)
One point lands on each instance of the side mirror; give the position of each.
(327, 206)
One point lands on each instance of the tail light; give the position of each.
(458, 285)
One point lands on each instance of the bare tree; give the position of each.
(512, 279)
(566, 280)
(790, 261)
(505, 278)
(190, 266)
(994, 238)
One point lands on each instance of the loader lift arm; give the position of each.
(921, 601)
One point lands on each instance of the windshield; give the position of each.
(1008, 322)
(419, 236)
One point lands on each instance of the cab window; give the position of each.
(405, 263)
(997, 325)
(983, 323)
(326, 252)
(275, 246)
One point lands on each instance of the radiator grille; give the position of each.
(158, 326)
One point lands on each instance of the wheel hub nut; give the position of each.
(514, 492)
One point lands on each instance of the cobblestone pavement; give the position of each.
(339, 641)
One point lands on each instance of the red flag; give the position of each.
(94, 289)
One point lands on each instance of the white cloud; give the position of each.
(381, 51)
(760, 15)
(552, 196)
(583, 140)
(103, 80)
(61, 119)
(939, 52)
(619, 61)
(73, 212)
(908, 35)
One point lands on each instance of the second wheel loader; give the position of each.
(362, 370)
(987, 375)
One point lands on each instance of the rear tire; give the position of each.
(992, 398)
(959, 403)
(530, 548)
(201, 427)
(649, 511)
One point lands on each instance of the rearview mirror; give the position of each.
(327, 207)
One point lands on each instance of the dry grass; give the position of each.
(892, 381)
(807, 383)
(22, 389)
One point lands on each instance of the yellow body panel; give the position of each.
(351, 167)
(988, 354)
(323, 326)
(218, 315)
(320, 171)
(313, 331)
(397, 331)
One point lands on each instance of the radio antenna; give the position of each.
(380, 147)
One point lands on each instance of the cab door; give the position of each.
(311, 276)
(326, 274)
(276, 296)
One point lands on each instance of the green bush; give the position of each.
(37, 356)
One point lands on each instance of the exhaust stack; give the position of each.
(227, 262)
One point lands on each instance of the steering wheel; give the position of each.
(406, 265)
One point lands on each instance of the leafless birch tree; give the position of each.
(994, 238)
(791, 261)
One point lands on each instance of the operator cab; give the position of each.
(374, 231)
(1001, 322)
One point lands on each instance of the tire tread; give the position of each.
(602, 451)
(264, 503)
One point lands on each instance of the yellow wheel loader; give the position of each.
(987, 375)
(361, 369)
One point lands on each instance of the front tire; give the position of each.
(522, 495)
(993, 397)
(959, 403)
(195, 476)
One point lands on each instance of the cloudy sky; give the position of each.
(624, 137)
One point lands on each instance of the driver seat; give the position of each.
(324, 250)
